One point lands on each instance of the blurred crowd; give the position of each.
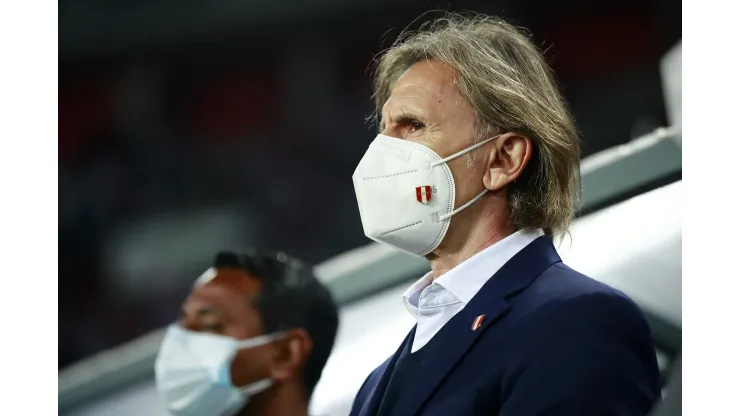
(144, 176)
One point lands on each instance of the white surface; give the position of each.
(369, 333)
(634, 247)
(141, 400)
(350, 261)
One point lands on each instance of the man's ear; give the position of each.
(508, 156)
(291, 353)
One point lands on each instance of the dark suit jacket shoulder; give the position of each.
(553, 342)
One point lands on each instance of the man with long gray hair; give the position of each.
(476, 167)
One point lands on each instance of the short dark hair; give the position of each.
(292, 297)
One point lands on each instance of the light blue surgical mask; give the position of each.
(193, 372)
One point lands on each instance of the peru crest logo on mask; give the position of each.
(424, 194)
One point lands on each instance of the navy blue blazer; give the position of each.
(552, 342)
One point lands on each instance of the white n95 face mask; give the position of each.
(406, 194)
(193, 374)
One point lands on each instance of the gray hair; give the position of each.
(505, 78)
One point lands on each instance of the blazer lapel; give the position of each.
(375, 396)
(464, 328)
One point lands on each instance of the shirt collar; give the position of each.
(467, 278)
(411, 295)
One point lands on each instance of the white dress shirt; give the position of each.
(434, 302)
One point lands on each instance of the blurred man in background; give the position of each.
(477, 168)
(253, 339)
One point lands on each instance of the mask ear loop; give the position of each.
(462, 207)
(259, 341)
(462, 152)
(458, 154)
(256, 387)
(260, 385)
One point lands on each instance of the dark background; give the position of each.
(190, 126)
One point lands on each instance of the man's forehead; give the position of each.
(430, 77)
(425, 86)
(227, 290)
(236, 279)
(228, 298)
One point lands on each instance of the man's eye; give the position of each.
(416, 125)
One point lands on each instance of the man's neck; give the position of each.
(472, 231)
(286, 399)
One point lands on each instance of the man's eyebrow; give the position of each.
(406, 114)
(403, 115)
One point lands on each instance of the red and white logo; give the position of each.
(424, 194)
(477, 322)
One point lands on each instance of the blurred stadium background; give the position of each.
(190, 126)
